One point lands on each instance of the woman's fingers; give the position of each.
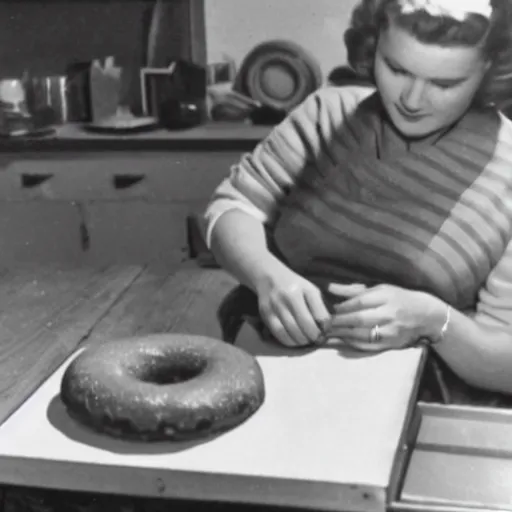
(367, 327)
(346, 290)
(367, 300)
(361, 339)
(362, 318)
(279, 331)
(317, 309)
(304, 314)
(293, 328)
(289, 323)
(295, 313)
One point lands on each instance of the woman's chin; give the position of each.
(417, 130)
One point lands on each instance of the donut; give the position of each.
(162, 387)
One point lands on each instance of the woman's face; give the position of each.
(425, 88)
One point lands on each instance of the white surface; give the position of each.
(326, 418)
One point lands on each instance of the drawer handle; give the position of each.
(125, 181)
(34, 180)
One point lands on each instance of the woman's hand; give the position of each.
(400, 316)
(292, 308)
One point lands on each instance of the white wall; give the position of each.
(234, 27)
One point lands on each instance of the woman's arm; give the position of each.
(239, 245)
(478, 346)
(246, 203)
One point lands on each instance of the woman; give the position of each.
(397, 200)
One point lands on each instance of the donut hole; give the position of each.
(174, 375)
(165, 370)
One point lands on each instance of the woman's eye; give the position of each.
(443, 86)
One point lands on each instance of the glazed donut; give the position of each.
(162, 387)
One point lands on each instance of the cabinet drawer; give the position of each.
(160, 176)
(136, 232)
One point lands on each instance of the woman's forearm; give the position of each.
(239, 244)
(480, 355)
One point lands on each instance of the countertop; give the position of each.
(213, 136)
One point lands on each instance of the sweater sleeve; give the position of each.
(258, 182)
(494, 307)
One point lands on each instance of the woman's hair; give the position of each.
(493, 35)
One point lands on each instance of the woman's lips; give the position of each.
(408, 116)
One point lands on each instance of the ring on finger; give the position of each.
(375, 334)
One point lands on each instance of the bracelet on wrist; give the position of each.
(442, 333)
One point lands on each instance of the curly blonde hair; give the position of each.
(493, 35)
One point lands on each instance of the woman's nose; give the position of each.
(413, 95)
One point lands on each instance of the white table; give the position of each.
(325, 438)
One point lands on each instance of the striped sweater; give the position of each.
(348, 200)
